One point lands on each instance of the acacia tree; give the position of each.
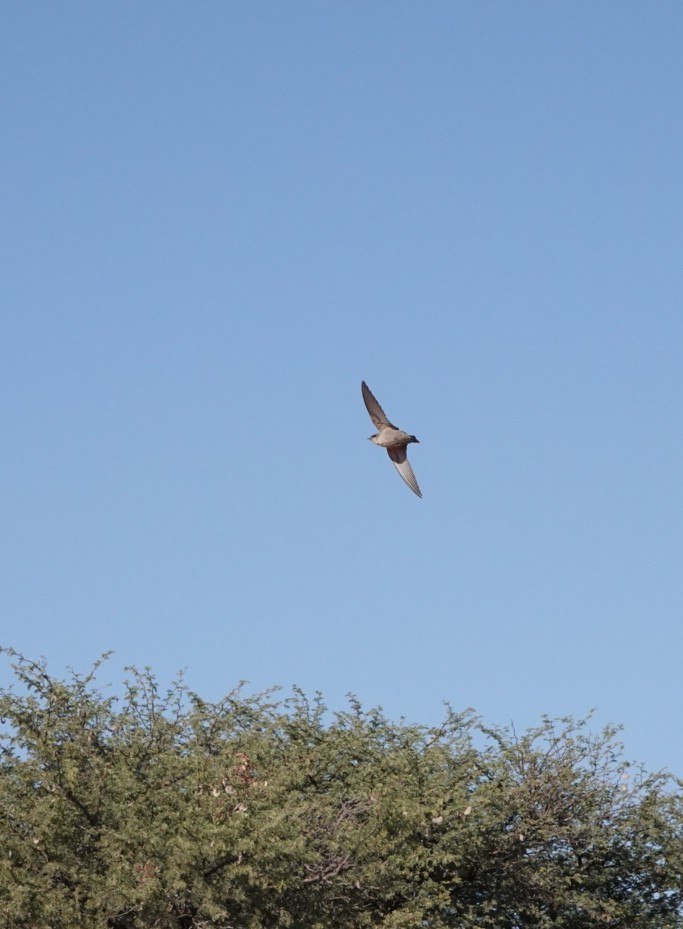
(164, 810)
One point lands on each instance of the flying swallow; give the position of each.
(390, 437)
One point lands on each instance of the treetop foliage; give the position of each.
(160, 810)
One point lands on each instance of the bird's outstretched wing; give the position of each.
(402, 465)
(377, 414)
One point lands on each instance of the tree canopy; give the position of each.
(160, 810)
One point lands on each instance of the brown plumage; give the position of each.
(392, 438)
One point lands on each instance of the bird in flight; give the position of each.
(393, 439)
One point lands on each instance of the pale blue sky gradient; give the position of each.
(217, 219)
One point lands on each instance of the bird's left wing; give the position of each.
(377, 414)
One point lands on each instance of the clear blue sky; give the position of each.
(218, 218)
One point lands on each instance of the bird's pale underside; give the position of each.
(390, 437)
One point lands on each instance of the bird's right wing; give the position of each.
(402, 465)
(377, 414)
